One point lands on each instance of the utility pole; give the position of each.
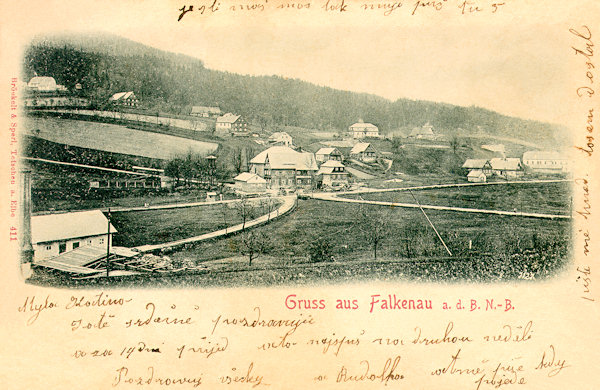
(108, 246)
(430, 223)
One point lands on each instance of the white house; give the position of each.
(54, 234)
(364, 152)
(232, 123)
(250, 183)
(362, 130)
(333, 173)
(480, 164)
(281, 138)
(284, 167)
(508, 168)
(476, 176)
(326, 154)
(546, 161)
(423, 132)
(124, 99)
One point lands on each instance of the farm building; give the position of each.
(363, 151)
(127, 99)
(333, 173)
(480, 164)
(423, 132)
(507, 168)
(54, 234)
(232, 123)
(205, 112)
(56, 101)
(283, 167)
(545, 161)
(326, 154)
(476, 176)
(250, 183)
(362, 130)
(281, 138)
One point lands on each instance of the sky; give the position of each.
(519, 63)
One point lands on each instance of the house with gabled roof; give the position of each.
(545, 161)
(364, 152)
(363, 130)
(231, 123)
(326, 154)
(332, 173)
(423, 132)
(507, 168)
(480, 164)
(250, 183)
(54, 234)
(284, 167)
(124, 99)
(281, 138)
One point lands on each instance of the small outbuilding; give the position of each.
(54, 234)
(250, 183)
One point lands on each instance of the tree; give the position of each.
(374, 224)
(237, 159)
(246, 211)
(253, 244)
(454, 143)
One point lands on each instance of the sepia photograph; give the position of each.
(144, 166)
(313, 194)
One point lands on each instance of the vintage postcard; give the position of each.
(328, 194)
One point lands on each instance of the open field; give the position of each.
(503, 248)
(551, 198)
(159, 226)
(496, 241)
(116, 139)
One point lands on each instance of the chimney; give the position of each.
(25, 243)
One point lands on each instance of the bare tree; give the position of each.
(374, 224)
(246, 211)
(253, 244)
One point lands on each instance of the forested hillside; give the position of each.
(106, 64)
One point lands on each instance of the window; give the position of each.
(89, 241)
(76, 245)
(48, 247)
(101, 241)
(62, 247)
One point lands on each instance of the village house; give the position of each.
(54, 234)
(545, 161)
(363, 130)
(332, 173)
(326, 154)
(507, 168)
(127, 99)
(281, 138)
(478, 164)
(423, 132)
(205, 112)
(476, 176)
(231, 123)
(364, 152)
(283, 167)
(251, 183)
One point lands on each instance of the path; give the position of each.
(335, 198)
(289, 204)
